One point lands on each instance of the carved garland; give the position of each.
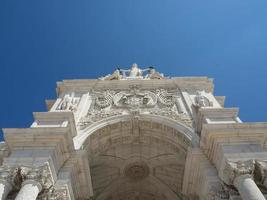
(111, 103)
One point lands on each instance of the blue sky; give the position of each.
(42, 42)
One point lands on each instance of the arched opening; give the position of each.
(137, 157)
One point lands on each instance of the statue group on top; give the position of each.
(134, 73)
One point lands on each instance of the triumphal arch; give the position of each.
(135, 134)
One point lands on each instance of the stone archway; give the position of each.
(137, 157)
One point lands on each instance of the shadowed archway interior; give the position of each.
(137, 159)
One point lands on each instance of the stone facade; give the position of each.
(135, 135)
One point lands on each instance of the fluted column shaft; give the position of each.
(5, 188)
(247, 188)
(29, 190)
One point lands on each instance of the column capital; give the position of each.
(234, 169)
(16, 175)
(41, 174)
(261, 172)
(6, 174)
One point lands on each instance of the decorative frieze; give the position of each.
(110, 103)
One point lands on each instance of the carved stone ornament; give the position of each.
(113, 103)
(136, 171)
(135, 99)
(69, 103)
(6, 174)
(218, 193)
(238, 168)
(201, 100)
(15, 175)
(261, 172)
(53, 193)
(134, 73)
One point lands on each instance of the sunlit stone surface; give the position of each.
(135, 134)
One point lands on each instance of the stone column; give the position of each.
(247, 188)
(29, 190)
(5, 188)
(34, 179)
(5, 181)
(240, 174)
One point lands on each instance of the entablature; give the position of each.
(189, 84)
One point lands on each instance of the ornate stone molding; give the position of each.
(218, 193)
(16, 175)
(6, 174)
(236, 169)
(55, 193)
(110, 103)
(261, 172)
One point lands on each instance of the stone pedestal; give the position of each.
(29, 190)
(247, 188)
(5, 188)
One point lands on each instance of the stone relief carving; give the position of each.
(136, 171)
(218, 192)
(165, 98)
(201, 100)
(261, 172)
(53, 193)
(69, 102)
(134, 100)
(238, 168)
(104, 100)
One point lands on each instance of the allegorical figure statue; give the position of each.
(116, 75)
(134, 73)
(153, 74)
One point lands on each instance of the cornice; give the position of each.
(57, 116)
(184, 83)
(233, 127)
(42, 136)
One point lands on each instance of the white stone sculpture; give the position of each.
(134, 73)
(201, 100)
(116, 75)
(69, 102)
(111, 103)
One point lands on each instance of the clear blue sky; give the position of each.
(42, 42)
